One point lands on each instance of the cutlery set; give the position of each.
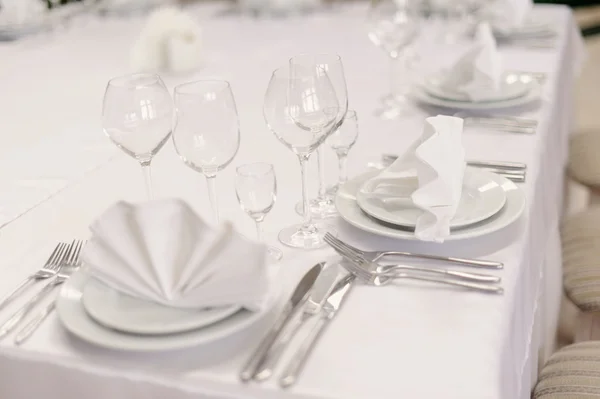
(320, 294)
(62, 263)
(513, 171)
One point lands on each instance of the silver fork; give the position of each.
(70, 263)
(358, 268)
(48, 270)
(375, 256)
(392, 270)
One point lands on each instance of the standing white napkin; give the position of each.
(479, 71)
(506, 16)
(437, 160)
(161, 251)
(171, 41)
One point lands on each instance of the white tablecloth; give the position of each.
(58, 172)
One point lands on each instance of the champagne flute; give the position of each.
(256, 192)
(331, 64)
(207, 133)
(137, 115)
(300, 108)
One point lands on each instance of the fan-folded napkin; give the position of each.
(15, 12)
(479, 71)
(437, 161)
(171, 41)
(161, 251)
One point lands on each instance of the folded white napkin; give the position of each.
(478, 71)
(506, 16)
(171, 41)
(437, 161)
(162, 251)
(16, 12)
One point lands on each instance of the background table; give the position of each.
(58, 172)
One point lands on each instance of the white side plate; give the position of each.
(482, 197)
(74, 318)
(349, 210)
(122, 312)
(509, 89)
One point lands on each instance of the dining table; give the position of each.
(59, 172)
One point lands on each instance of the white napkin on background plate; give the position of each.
(506, 16)
(171, 41)
(161, 251)
(478, 71)
(437, 162)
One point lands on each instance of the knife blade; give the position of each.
(322, 288)
(292, 305)
(329, 311)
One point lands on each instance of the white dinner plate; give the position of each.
(74, 318)
(537, 29)
(509, 89)
(349, 210)
(122, 312)
(482, 197)
(419, 94)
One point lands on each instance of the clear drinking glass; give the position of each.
(393, 25)
(331, 64)
(207, 133)
(256, 191)
(341, 141)
(300, 108)
(137, 115)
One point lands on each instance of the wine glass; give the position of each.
(300, 108)
(393, 25)
(341, 141)
(207, 133)
(256, 191)
(331, 64)
(137, 115)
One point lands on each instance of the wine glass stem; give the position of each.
(148, 178)
(258, 230)
(321, 162)
(343, 174)
(211, 182)
(307, 223)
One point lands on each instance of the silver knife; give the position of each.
(330, 309)
(390, 158)
(323, 287)
(290, 309)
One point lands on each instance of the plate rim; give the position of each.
(516, 202)
(472, 171)
(429, 88)
(70, 295)
(418, 94)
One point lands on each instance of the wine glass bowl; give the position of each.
(137, 115)
(206, 135)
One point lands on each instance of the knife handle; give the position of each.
(266, 367)
(295, 366)
(257, 358)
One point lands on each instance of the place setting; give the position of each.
(477, 81)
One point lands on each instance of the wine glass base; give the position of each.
(274, 254)
(320, 208)
(296, 237)
(395, 106)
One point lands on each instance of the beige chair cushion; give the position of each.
(571, 373)
(584, 162)
(580, 236)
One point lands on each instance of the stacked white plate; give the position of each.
(489, 202)
(512, 93)
(103, 316)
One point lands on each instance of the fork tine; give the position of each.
(59, 258)
(348, 246)
(336, 244)
(79, 248)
